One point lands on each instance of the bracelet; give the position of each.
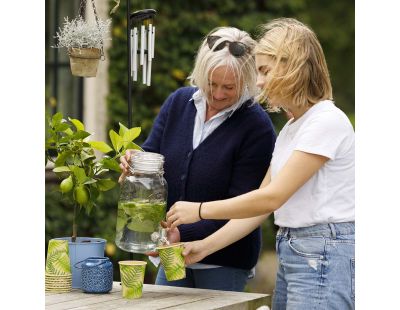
(200, 211)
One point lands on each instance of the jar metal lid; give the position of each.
(147, 162)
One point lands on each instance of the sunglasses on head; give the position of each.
(237, 49)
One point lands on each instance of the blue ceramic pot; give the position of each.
(97, 274)
(81, 249)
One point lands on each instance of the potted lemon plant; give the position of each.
(82, 176)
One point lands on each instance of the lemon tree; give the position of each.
(82, 175)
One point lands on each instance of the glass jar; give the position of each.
(142, 204)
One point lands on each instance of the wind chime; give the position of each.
(142, 44)
(140, 36)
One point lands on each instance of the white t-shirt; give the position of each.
(328, 197)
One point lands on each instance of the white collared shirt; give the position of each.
(202, 129)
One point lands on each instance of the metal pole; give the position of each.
(55, 62)
(128, 38)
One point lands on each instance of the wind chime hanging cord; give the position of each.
(81, 13)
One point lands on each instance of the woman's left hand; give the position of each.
(183, 212)
(173, 236)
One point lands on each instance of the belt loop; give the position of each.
(333, 230)
(283, 231)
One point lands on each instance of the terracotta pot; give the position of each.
(84, 61)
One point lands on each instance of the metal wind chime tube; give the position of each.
(142, 44)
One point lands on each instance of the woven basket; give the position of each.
(84, 61)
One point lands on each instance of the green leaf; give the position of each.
(130, 135)
(122, 129)
(88, 207)
(105, 184)
(49, 141)
(61, 127)
(101, 171)
(85, 156)
(116, 140)
(90, 181)
(134, 146)
(56, 119)
(69, 132)
(101, 146)
(76, 161)
(61, 169)
(81, 134)
(111, 164)
(79, 174)
(61, 158)
(66, 138)
(88, 148)
(77, 123)
(94, 193)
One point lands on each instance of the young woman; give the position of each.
(217, 142)
(309, 185)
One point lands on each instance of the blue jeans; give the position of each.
(221, 278)
(316, 267)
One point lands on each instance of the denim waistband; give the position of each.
(324, 230)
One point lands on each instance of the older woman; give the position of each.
(309, 186)
(217, 141)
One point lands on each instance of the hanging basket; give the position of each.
(84, 61)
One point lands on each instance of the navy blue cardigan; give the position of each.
(231, 161)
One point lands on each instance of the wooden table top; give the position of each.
(157, 297)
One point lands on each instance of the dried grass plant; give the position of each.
(79, 33)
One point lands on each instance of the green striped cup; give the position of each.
(132, 276)
(173, 261)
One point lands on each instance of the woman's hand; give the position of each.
(194, 252)
(124, 165)
(173, 236)
(183, 212)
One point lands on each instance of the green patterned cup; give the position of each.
(132, 276)
(57, 261)
(172, 261)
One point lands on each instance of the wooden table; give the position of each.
(157, 297)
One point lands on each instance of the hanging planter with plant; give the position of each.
(84, 42)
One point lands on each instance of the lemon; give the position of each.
(81, 195)
(66, 185)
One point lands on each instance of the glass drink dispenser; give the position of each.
(142, 204)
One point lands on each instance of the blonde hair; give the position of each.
(207, 60)
(300, 73)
